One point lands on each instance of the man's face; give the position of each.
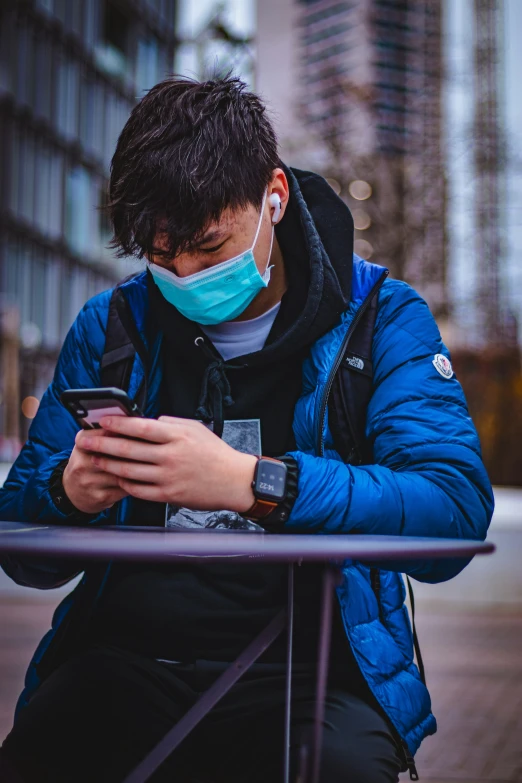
(233, 234)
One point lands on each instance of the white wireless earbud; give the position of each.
(275, 201)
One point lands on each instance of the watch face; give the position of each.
(271, 481)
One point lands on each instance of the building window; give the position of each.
(7, 57)
(92, 116)
(43, 190)
(79, 290)
(105, 228)
(45, 5)
(68, 94)
(66, 310)
(116, 114)
(74, 16)
(14, 174)
(56, 195)
(147, 65)
(326, 53)
(327, 33)
(324, 13)
(113, 53)
(27, 171)
(18, 277)
(24, 69)
(38, 291)
(90, 24)
(11, 278)
(51, 330)
(79, 211)
(43, 77)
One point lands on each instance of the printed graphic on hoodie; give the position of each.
(245, 436)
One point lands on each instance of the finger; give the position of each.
(103, 482)
(124, 448)
(135, 471)
(111, 485)
(143, 491)
(180, 420)
(134, 427)
(82, 434)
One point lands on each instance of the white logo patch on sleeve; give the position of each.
(443, 366)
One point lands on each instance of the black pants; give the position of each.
(101, 712)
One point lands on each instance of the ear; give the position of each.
(278, 194)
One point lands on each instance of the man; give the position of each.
(238, 322)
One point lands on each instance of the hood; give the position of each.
(327, 227)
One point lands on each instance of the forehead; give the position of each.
(230, 221)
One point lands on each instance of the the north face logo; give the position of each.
(355, 362)
(443, 366)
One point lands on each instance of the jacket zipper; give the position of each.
(375, 577)
(410, 763)
(338, 359)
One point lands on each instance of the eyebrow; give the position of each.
(211, 236)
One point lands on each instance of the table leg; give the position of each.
(329, 581)
(217, 690)
(288, 694)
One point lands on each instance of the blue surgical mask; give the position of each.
(220, 293)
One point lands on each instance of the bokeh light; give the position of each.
(30, 407)
(361, 219)
(363, 248)
(360, 189)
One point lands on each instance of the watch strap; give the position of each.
(260, 509)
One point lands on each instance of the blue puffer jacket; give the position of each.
(427, 480)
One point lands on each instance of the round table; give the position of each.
(161, 544)
(166, 545)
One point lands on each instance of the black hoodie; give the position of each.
(212, 611)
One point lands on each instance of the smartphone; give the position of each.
(89, 405)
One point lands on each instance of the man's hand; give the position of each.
(89, 488)
(178, 461)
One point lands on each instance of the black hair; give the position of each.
(188, 151)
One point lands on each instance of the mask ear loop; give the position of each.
(266, 274)
(259, 221)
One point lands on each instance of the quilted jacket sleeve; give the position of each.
(25, 494)
(428, 478)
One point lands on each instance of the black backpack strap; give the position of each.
(420, 662)
(347, 410)
(352, 390)
(119, 351)
(122, 342)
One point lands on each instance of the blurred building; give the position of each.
(357, 93)
(216, 36)
(481, 38)
(70, 72)
(489, 165)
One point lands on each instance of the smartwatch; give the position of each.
(269, 487)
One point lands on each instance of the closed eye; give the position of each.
(212, 249)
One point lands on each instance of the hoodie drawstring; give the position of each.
(215, 390)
